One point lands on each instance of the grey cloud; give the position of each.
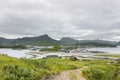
(80, 19)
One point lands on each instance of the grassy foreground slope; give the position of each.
(26, 69)
(98, 70)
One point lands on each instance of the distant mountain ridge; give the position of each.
(5, 41)
(45, 40)
(70, 41)
(118, 44)
(100, 41)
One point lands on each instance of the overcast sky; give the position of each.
(79, 19)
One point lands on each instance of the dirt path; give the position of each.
(70, 75)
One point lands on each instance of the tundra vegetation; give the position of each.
(27, 69)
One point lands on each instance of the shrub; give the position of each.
(102, 73)
(19, 73)
(93, 74)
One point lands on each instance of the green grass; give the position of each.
(101, 70)
(109, 55)
(27, 69)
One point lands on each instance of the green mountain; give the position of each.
(4, 41)
(94, 44)
(68, 41)
(101, 43)
(118, 44)
(43, 40)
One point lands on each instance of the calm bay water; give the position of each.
(16, 53)
(22, 53)
(107, 50)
